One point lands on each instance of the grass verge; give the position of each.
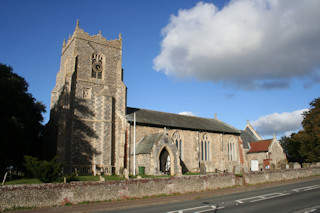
(23, 181)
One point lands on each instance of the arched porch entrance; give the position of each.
(165, 161)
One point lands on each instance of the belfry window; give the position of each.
(97, 68)
(205, 148)
(178, 141)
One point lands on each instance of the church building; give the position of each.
(96, 132)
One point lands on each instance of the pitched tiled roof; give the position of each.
(260, 146)
(163, 119)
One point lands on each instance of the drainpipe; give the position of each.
(129, 149)
(199, 152)
(134, 144)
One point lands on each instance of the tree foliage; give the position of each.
(21, 117)
(291, 148)
(304, 146)
(46, 171)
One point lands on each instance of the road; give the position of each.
(298, 197)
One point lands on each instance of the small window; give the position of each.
(97, 68)
(86, 94)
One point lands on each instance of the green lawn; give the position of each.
(80, 178)
(23, 181)
(75, 178)
(93, 178)
(97, 178)
(113, 177)
(151, 176)
(194, 173)
(86, 178)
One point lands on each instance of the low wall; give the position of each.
(280, 175)
(40, 195)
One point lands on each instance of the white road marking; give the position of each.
(261, 197)
(205, 208)
(312, 210)
(181, 210)
(208, 210)
(307, 188)
(269, 196)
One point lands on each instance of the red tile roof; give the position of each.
(260, 146)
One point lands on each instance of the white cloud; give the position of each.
(280, 124)
(249, 43)
(186, 113)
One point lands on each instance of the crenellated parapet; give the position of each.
(81, 34)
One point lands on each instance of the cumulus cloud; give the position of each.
(280, 124)
(186, 113)
(249, 43)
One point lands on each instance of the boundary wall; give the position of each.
(51, 194)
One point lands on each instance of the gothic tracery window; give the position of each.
(96, 66)
(178, 141)
(205, 148)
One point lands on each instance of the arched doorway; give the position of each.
(164, 159)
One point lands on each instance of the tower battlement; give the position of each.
(81, 34)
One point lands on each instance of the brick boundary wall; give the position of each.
(50, 194)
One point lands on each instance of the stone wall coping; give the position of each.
(143, 180)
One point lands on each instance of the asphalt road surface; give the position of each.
(298, 197)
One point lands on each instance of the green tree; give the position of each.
(46, 171)
(304, 146)
(21, 117)
(310, 135)
(291, 148)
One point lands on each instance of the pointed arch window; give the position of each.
(231, 152)
(97, 68)
(178, 141)
(205, 148)
(202, 151)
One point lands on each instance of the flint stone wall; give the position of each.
(40, 195)
(280, 175)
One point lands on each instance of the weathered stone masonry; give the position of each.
(40, 195)
(85, 106)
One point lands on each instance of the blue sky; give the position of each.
(244, 60)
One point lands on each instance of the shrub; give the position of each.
(238, 175)
(72, 177)
(46, 171)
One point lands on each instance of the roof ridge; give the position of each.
(256, 134)
(216, 119)
(169, 119)
(227, 125)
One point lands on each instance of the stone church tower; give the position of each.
(95, 132)
(88, 104)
